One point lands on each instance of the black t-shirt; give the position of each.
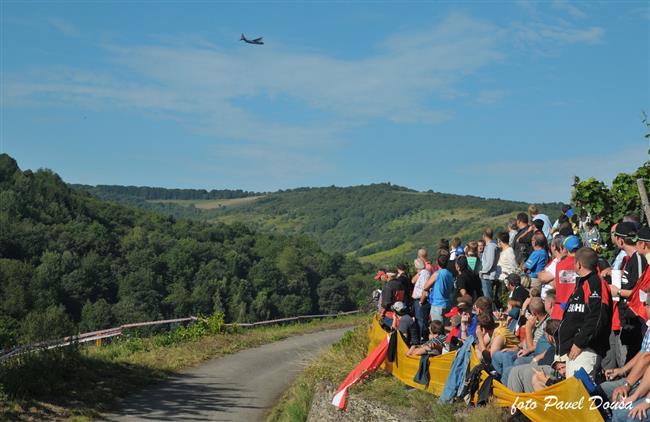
(520, 294)
(469, 281)
(392, 292)
(634, 268)
(407, 286)
(523, 245)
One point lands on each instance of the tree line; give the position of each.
(71, 262)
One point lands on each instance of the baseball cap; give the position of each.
(380, 274)
(643, 234)
(571, 243)
(625, 229)
(399, 307)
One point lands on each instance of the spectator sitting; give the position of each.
(405, 324)
(629, 375)
(537, 259)
(533, 332)
(521, 375)
(492, 337)
(436, 343)
(517, 297)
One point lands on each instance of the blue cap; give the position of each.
(571, 243)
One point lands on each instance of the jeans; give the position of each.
(422, 317)
(502, 361)
(620, 415)
(487, 288)
(437, 313)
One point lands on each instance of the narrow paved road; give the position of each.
(238, 387)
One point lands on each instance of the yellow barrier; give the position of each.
(568, 400)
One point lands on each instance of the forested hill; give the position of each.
(380, 222)
(70, 261)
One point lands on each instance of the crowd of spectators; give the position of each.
(538, 301)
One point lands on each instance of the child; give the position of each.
(436, 343)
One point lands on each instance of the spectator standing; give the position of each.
(392, 292)
(420, 303)
(441, 289)
(489, 263)
(536, 215)
(523, 239)
(467, 281)
(537, 259)
(643, 242)
(506, 265)
(586, 322)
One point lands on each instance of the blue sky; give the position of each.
(497, 99)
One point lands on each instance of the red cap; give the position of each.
(379, 275)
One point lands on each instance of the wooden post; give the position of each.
(644, 199)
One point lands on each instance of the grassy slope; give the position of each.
(390, 227)
(333, 366)
(208, 204)
(82, 385)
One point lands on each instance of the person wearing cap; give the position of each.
(623, 381)
(643, 242)
(626, 323)
(586, 322)
(405, 324)
(392, 292)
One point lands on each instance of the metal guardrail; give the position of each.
(117, 331)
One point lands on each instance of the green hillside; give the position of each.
(70, 262)
(379, 223)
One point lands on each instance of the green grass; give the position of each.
(390, 255)
(333, 366)
(81, 384)
(208, 204)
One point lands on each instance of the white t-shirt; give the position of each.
(551, 269)
(423, 276)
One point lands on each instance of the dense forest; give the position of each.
(379, 223)
(69, 261)
(148, 193)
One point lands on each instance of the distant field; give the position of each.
(208, 204)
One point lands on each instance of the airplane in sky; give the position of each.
(257, 41)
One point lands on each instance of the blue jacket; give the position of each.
(456, 377)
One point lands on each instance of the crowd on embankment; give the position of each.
(538, 301)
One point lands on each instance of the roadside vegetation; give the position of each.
(80, 383)
(331, 368)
